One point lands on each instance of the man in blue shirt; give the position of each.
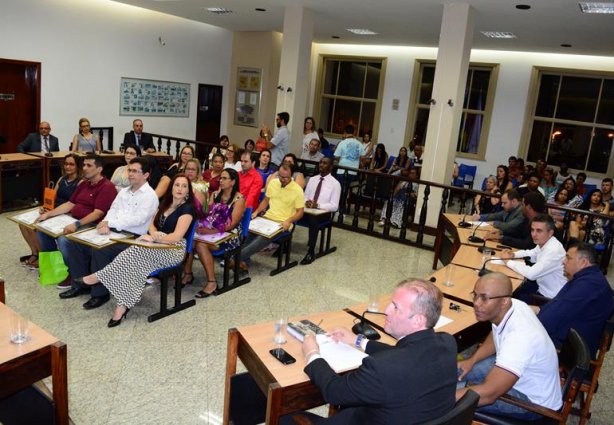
(348, 153)
(585, 302)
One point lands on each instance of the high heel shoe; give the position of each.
(203, 294)
(112, 323)
(189, 281)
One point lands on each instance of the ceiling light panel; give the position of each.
(361, 31)
(498, 34)
(596, 7)
(219, 10)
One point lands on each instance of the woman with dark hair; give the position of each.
(503, 180)
(64, 188)
(125, 276)
(264, 165)
(380, 158)
(186, 153)
(547, 184)
(400, 163)
(120, 176)
(560, 198)
(226, 210)
(297, 176)
(309, 133)
(593, 203)
(212, 175)
(573, 199)
(368, 146)
(249, 146)
(224, 143)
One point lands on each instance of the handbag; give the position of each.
(49, 197)
(51, 268)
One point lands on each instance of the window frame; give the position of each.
(320, 95)
(486, 113)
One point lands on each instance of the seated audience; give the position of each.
(85, 140)
(131, 211)
(580, 187)
(212, 175)
(368, 146)
(548, 185)
(139, 138)
(225, 214)
(199, 186)
(584, 303)
(563, 174)
(380, 159)
(251, 181)
(509, 220)
(593, 203)
(606, 191)
(125, 276)
(313, 153)
(545, 275)
(573, 199)
(64, 188)
(231, 155)
(532, 185)
(309, 133)
(186, 153)
(120, 176)
(224, 143)
(41, 141)
(533, 204)
(416, 162)
(322, 192)
(261, 142)
(540, 167)
(517, 358)
(402, 190)
(560, 198)
(249, 146)
(324, 144)
(297, 176)
(503, 180)
(264, 165)
(488, 204)
(400, 163)
(411, 382)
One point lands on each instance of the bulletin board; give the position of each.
(140, 97)
(247, 98)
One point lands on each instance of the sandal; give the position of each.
(189, 281)
(203, 294)
(32, 262)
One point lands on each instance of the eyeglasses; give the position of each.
(134, 171)
(485, 298)
(84, 125)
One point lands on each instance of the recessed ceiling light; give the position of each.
(336, 37)
(361, 31)
(219, 10)
(596, 7)
(565, 45)
(498, 34)
(523, 6)
(259, 9)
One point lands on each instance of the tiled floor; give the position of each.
(172, 370)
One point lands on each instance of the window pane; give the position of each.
(570, 145)
(479, 90)
(330, 76)
(540, 138)
(605, 115)
(578, 99)
(326, 114)
(469, 136)
(546, 99)
(426, 84)
(372, 84)
(422, 120)
(367, 117)
(600, 150)
(351, 79)
(346, 112)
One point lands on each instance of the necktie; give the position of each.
(45, 144)
(318, 189)
(138, 140)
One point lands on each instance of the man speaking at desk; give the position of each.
(409, 383)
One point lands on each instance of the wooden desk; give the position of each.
(463, 279)
(164, 160)
(469, 256)
(21, 179)
(24, 364)
(287, 387)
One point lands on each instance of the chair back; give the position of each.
(574, 362)
(466, 175)
(245, 220)
(189, 238)
(462, 413)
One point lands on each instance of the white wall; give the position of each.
(510, 104)
(86, 46)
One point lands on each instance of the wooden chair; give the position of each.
(591, 382)
(574, 361)
(235, 254)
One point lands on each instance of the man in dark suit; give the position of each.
(409, 383)
(41, 141)
(137, 137)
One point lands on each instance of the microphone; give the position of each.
(464, 224)
(363, 328)
(485, 250)
(476, 239)
(484, 271)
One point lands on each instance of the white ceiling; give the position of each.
(543, 28)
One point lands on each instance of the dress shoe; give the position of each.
(95, 302)
(309, 258)
(72, 293)
(112, 323)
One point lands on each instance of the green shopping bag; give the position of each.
(51, 268)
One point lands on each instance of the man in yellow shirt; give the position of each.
(286, 204)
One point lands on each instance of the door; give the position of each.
(19, 102)
(208, 116)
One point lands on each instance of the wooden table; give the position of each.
(463, 280)
(287, 387)
(469, 256)
(19, 180)
(21, 365)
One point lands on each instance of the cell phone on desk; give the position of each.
(281, 355)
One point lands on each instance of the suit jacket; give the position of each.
(408, 384)
(146, 140)
(508, 222)
(32, 143)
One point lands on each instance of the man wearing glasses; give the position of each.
(41, 141)
(132, 211)
(517, 358)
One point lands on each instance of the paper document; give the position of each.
(26, 218)
(265, 227)
(315, 211)
(215, 238)
(95, 239)
(443, 320)
(54, 226)
(341, 357)
(479, 223)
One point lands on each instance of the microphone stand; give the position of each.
(366, 329)
(464, 224)
(476, 239)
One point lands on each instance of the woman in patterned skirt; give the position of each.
(125, 276)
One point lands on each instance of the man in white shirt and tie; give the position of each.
(41, 141)
(322, 192)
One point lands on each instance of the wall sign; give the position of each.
(247, 98)
(150, 97)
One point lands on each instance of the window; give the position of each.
(477, 104)
(349, 93)
(572, 121)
